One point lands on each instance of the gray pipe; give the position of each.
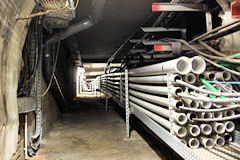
(155, 79)
(181, 65)
(160, 90)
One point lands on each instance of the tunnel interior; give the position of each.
(104, 79)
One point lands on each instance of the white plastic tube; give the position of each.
(198, 65)
(193, 143)
(193, 130)
(181, 65)
(219, 141)
(218, 127)
(190, 78)
(206, 129)
(230, 126)
(207, 142)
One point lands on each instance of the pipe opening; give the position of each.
(182, 119)
(220, 128)
(220, 141)
(207, 115)
(201, 76)
(209, 143)
(206, 105)
(192, 116)
(217, 114)
(226, 76)
(194, 143)
(183, 66)
(198, 65)
(230, 126)
(195, 131)
(227, 137)
(179, 104)
(194, 104)
(178, 90)
(207, 129)
(211, 76)
(182, 132)
(177, 77)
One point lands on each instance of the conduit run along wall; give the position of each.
(12, 38)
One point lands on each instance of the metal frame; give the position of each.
(127, 105)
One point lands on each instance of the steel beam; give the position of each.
(178, 7)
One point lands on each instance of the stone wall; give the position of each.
(12, 38)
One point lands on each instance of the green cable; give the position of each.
(213, 89)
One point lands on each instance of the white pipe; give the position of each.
(218, 127)
(198, 65)
(190, 103)
(217, 115)
(193, 143)
(230, 126)
(193, 130)
(191, 116)
(206, 105)
(228, 113)
(206, 115)
(180, 131)
(179, 118)
(190, 78)
(228, 137)
(222, 76)
(219, 141)
(162, 79)
(160, 90)
(207, 142)
(156, 99)
(206, 129)
(208, 75)
(181, 65)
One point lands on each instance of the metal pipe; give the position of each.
(193, 143)
(222, 76)
(193, 130)
(180, 131)
(156, 99)
(163, 79)
(219, 141)
(181, 65)
(206, 129)
(156, 89)
(198, 65)
(207, 142)
(218, 127)
(230, 126)
(190, 78)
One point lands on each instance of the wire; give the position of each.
(211, 49)
(232, 107)
(213, 31)
(207, 55)
(217, 119)
(53, 71)
(207, 91)
(43, 12)
(206, 99)
(219, 66)
(222, 82)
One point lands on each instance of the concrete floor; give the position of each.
(87, 132)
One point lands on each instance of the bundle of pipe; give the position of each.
(156, 91)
